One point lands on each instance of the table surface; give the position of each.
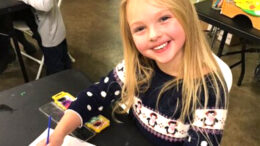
(26, 122)
(7, 6)
(211, 16)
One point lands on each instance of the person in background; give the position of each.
(53, 34)
(169, 81)
(27, 16)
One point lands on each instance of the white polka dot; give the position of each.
(103, 94)
(189, 140)
(89, 107)
(203, 143)
(106, 80)
(96, 83)
(100, 108)
(117, 92)
(89, 94)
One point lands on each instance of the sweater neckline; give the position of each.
(161, 73)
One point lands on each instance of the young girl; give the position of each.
(169, 79)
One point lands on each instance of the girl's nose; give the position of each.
(154, 34)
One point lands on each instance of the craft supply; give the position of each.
(48, 133)
(63, 99)
(98, 123)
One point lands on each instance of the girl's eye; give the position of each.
(138, 29)
(164, 18)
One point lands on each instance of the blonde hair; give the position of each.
(197, 61)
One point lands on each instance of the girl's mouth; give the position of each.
(161, 46)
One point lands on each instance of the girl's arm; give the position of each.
(68, 123)
(90, 102)
(41, 5)
(207, 128)
(208, 123)
(93, 100)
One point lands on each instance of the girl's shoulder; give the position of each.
(226, 72)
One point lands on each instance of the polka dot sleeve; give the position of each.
(91, 101)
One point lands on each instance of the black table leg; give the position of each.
(20, 59)
(222, 44)
(242, 74)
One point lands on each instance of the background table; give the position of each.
(246, 33)
(26, 122)
(211, 16)
(7, 6)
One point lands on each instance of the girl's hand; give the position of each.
(53, 141)
(69, 122)
(41, 143)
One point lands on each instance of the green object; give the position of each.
(251, 12)
(23, 93)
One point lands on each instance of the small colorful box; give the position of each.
(63, 99)
(98, 123)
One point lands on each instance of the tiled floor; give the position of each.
(93, 37)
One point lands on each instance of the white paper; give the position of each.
(68, 140)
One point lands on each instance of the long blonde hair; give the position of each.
(197, 58)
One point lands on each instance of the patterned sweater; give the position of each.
(160, 125)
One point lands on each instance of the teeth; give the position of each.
(161, 46)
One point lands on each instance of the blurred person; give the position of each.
(53, 34)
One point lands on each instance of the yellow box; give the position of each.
(63, 99)
(98, 123)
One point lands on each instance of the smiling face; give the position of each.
(156, 32)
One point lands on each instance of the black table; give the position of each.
(7, 7)
(26, 122)
(211, 16)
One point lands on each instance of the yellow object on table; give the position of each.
(233, 8)
(63, 99)
(98, 123)
(251, 7)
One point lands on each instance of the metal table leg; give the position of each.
(20, 59)
(222, 44)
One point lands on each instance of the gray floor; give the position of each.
(94, 41)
